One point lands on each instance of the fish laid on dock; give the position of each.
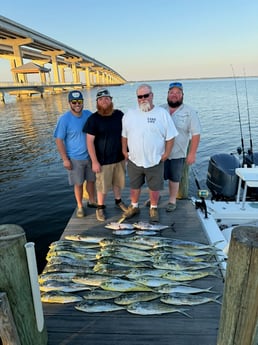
(123, 285)
(178, 298)
(119, 226)
(94, 306)
(153, 308)
(60, 297)
(148, 226)
(123, 232)
(132, 297)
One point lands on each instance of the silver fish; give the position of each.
(153, 281)
(148, 226)
(119, 226)
(146, 232)
(181, 265)
(60, 297)
(93, 306)
(61, 286)
(167, 288)
(153, 308)
(123, 285)
(100, 294)
(60, 276)
(123, 232)
(83, 238)
(178, 298)
(131, 297)
(90, 279)
(140, 272)
(190, 275)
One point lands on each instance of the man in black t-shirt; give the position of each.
(103, 130)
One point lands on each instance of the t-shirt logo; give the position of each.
(151, 119)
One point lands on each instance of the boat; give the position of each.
(231, 199)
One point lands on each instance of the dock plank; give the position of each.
(66, 325)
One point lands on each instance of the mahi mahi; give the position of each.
(93, 306)
(153, 308)
(178, 298)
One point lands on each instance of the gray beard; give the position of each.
(145, 107)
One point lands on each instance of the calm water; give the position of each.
(34, 191)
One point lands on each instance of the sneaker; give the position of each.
(170, 207)
(154, 215)
(80, 212)
(122, 206)
(92, 204)
(131, 212)
(100, 215)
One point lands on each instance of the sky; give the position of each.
(149, 39)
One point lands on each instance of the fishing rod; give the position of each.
(250, 151)
(239, 118)
(202, 193)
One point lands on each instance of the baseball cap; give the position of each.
(74, 95)
(103, 93)
(175, 84)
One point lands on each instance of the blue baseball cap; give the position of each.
(176, 84)
(74, 95)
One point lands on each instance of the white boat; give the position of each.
(220, 214)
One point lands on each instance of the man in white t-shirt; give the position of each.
(147, 139)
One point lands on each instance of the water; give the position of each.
(34, 191)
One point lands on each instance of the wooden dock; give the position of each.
(66, 325)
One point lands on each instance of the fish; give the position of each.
(83, 238)
(125, 256)
(61, 260)
(131, 297)
(122, 285)
(60, 276)
(61, 286)
(190, 275)
(89, 255)
(167, 288)
(112, 269)
(140, 272)
(146, 232)
(181, 265)
(93, 306)
(178, 298)
(90, 279)
(65, 268)
(75, 245)
(153, 281)
(123, 232)
(124, 249)
(148, 226)
(100, 294)
(60, 297)
(130, 242)
(124, 262)
(153, 308)
(119, 226)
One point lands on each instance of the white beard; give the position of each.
(145, 107)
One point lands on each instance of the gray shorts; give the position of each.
(81, 171)
(173, 169)
(153, 176)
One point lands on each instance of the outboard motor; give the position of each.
(221, 178)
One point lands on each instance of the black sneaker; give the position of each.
(131, 212)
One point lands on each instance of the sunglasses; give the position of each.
(103, 93)
(146, 95)
(176, 84)
(75, 101)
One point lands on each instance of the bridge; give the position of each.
(19, 43)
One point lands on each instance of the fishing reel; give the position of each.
(203, 193)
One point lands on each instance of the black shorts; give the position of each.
(173, 169)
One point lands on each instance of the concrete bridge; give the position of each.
(18, 42)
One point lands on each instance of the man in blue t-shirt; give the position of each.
(72, 147)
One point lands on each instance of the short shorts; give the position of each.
(153, 176)
(110, 175)
(81, 171)
(173, 169)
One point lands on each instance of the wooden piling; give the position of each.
(15, 282)
(239, 313)
(8, 330)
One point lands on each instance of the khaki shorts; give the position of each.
(110, 175)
